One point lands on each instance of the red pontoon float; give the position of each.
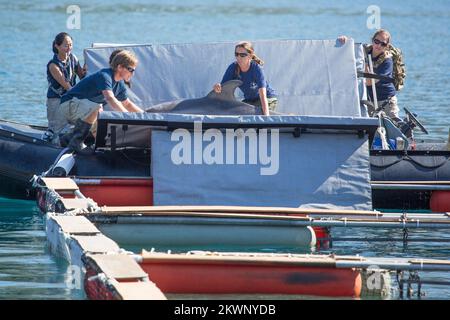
(238, 273)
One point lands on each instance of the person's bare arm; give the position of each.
(81, 71)
(264, 103)
(59, 77)
(130, 106)
(113, 102)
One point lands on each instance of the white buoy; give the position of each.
(64, 165)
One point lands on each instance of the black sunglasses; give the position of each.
(131, 69)
(383, 44)
(240, 54)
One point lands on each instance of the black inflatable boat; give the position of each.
(24, 152)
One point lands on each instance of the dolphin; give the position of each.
(223, 103)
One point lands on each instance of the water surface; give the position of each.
(27, 28)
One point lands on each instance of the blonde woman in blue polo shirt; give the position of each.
(247, 68)
(81, 104)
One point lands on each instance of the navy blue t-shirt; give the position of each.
(55, 90)
(384, 89)
(91, 87)
(252, 80)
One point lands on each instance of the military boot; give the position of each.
(75, 139)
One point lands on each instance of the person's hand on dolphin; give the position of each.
(217, 88)
(342, 39)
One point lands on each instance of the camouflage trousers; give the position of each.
(272, 102)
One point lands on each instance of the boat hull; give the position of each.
(19, 162)
(107, 174)
(415, 180)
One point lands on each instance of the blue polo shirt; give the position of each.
(91, 87)
(384, 89)
(252, 80)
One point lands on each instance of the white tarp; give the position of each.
(310, 77)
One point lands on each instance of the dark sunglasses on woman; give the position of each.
(240, 54)
(383, 44)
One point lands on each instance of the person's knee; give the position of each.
(273, 104)
(92, 114)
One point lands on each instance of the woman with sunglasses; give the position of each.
(81, 104)
(62, 71)
(383, 65)
(247, 68)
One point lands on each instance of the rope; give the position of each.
(386, 165)
(382, 133)
(409, 158)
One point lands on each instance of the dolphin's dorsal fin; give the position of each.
(228, 89)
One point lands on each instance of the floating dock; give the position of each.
(110, 272)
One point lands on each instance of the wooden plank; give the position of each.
(60, 184)
(75, 224)
(430, 261)
(348, 218)
(71, 204)
(118, 266)
(96, 244)
(248, 259)
(139, 291)
(205, 215)
(237, 209)
(417, 221)
(350, 258)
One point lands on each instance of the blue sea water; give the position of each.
(27, 28)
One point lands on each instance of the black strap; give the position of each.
(375, 76)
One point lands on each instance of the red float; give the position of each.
(251, 278)
(118, 192)
(440, 201)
